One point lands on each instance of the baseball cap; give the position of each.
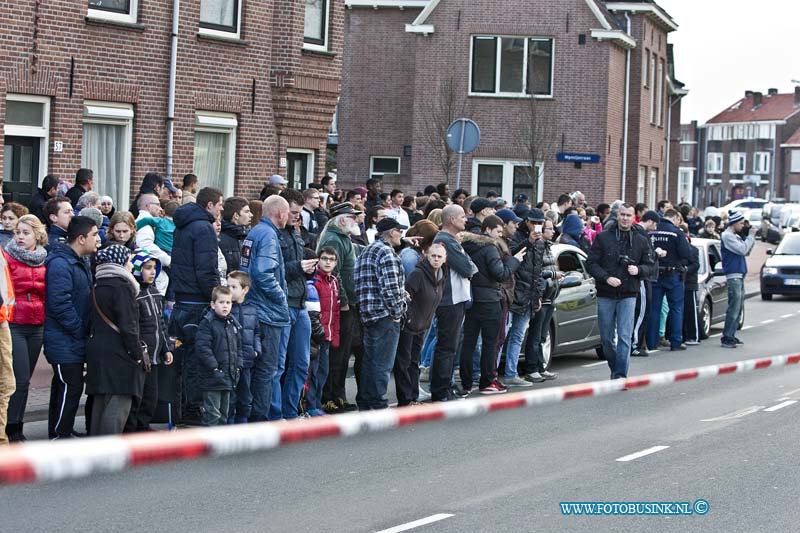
(535, 215)
(508, 216)
(479, 204)
(275, 179)
(651, 215)
(345, 208)
(389, 223)
(170, 186)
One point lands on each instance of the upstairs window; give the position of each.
(220, 18)
(761, 163)
(738, 162)
(113, 10)
(512, 66)
(315, 35)
(714, 163)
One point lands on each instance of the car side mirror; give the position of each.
(573, 279)
(718, 270)
(770, 252)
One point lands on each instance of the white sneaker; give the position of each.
(691, 343)
(423, 395)
(516, 381)
(549, 375)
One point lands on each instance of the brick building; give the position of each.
(748, 148)
(87, 84)
(550, 84)
(689, 162)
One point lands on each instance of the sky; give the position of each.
(724, 47)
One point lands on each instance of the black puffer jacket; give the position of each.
(292, 249)
(217, 348)
(230, 243)
(152, 329)
(606, 259)
(486, 253)
(194, 254)
(247, 316)
(528, 282)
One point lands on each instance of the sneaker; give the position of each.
(415, 403)
(549, 375)
(316, 412)
(423, 394)
(691, 343)
(516, 381)
(738, 340)
(640, 353)
(346, 407)
(678, 348)
(331, 408)
(424, 374)
(493, 388)
(462, 393)
(535, 377)
(728, 344)
(664, 342)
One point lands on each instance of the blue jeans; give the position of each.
(317, 375)
(616, 316)
(265, 368)
(426, 356)
(295, 356)
(672, 286)
(735, 303)
(380, 345)
(519, 321)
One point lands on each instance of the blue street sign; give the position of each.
(567, 157)
(463, 136)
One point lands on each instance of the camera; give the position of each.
(626, 261)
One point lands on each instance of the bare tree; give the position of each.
(536, 137)
(447, 104)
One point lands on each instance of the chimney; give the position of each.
(772, 92)
(757, 97)
(797, 95)
(748, 94)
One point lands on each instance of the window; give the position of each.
(507, 178)
(761, 163)
(653, 186)
(380, 166)
(685, 185)
(640, 185)
(215, 150)
(660, 95)
(714, 163)
(738, 162)
(652, 78)
(106, 148)
(795, 164)
(686, 152)
(315, 35)
(220, 18)
(646, 67)
(512, 66)
(114, 10)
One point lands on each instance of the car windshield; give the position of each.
(790, 245)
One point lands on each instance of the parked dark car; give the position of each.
(780, 274)
(712, 295)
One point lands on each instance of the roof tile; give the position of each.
(777, 107)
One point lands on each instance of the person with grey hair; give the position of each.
(88, 199)
(612, 216)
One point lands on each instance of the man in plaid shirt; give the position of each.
(380, 289)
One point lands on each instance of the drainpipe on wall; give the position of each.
(627, 106)
(173, 64)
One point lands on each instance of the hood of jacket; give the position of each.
(572, 226)
(473, 241)
(237, 231)
(429, 273)
(63, 251)
(188, 213)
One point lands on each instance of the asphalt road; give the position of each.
(722, 440)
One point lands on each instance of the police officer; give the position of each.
(671, 267)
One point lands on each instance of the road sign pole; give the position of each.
(460, 153)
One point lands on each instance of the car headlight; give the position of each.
(770, 271)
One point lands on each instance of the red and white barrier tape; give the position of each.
(52, 461)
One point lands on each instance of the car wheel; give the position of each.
(766, 296)
(547, 348)
(705, 319)
(740, 323)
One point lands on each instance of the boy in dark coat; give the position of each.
(247, 315)
(218, 354)
(152, 332)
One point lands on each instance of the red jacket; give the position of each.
(28, 283)
(328, 289)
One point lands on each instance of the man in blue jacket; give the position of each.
(193, 278)
(262, 260)
(68, 300)
(737, 243)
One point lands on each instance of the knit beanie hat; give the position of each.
(116, 254)
(734, 217)
(140, 257)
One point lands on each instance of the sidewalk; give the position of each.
(39, 395)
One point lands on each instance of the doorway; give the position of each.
(299, 168)
(20, 168)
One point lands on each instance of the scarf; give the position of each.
(32, 258)
(111, 270)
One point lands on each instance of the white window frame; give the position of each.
(686, 152)
(653, 61)
(114, 114)
(641, 185)
(222, 34)
(113, 16)
(660, 95)
(225, 123)
(714, 163)
(507, 190)
(738, 163)
(326, 34)
(42, 132)
(372, 159)
(309, 166)
(686, 177)
(794, 161)
(497, 73)
(765, 158)
(653, 186)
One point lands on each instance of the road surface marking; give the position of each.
(787, 315)
(791, 393)
(768, 321)
(746, 328)
(417, 523)
(590, 365)
(736, 414)
(642, 453)
(774, 408)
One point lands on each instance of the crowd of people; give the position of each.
(192, 308)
